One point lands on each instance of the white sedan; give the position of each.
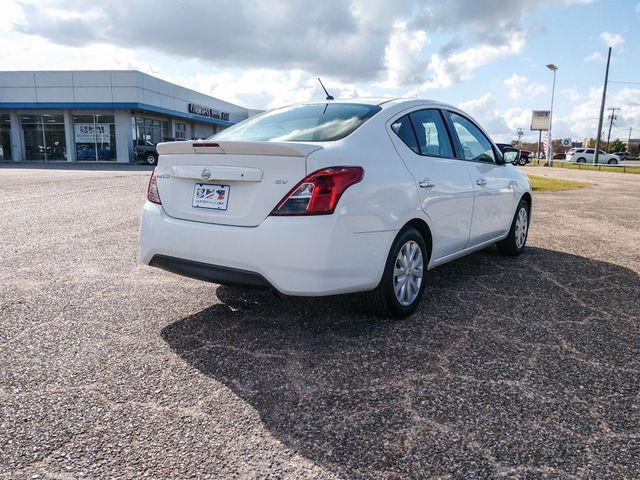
(335, 197)
(588, 155)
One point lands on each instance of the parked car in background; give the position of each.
(145, 151)
(622, 155)
(587, 155)
(559, 156)
(361, 195)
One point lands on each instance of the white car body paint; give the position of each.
(326, 254)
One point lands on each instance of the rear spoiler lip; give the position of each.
(284, 149)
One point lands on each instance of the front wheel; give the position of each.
(514, 243)
(581, 160)
(402, 285)
(613, 161)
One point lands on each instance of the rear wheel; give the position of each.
(514, 243)
(402, 285)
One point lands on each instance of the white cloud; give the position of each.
(357, 40)
(518, 118)
(518, 86)
(266, 89)
(611, 39)
(594, 57)
(403, 57)
(485, 111)
(582, 120)
(572, 94)
(460, 66)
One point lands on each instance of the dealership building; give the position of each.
(101, 115)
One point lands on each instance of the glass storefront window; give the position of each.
(44, 138)
(5, 137)
(148, 131)
(181, 131)
(95, 136)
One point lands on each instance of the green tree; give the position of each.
(617, 146)
(592, 143)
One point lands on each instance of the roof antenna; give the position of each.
(329, 97)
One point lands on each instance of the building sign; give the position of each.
(207, 112)
(93, 132)
(540, 119)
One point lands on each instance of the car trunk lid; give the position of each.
(228, 182)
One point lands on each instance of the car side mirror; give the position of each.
(510, 154)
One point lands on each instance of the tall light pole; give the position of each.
(553, 68)
(604, 99)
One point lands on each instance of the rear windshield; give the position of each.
(303, 123)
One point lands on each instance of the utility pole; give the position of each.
(629, 141)
(548, 162)
(612, 117)
(520, 133)
(604, 98)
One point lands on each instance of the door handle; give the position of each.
(481, 181)
(427, 184)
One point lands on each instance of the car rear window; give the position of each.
(304, 123)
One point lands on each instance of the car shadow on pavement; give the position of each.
(527, 366)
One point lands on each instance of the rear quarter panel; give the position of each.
(386, 198)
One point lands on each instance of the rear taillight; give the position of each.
(153, 194)
(318, 193)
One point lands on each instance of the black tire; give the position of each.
(613, 161)
(150, 159)
(383, 300)
(581, 160)
(510, 245)
(522, 162)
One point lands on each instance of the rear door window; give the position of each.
(403, 128)
(425, 133)
(433, 139)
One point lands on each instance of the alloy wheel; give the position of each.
(522, 224)
(407, 273)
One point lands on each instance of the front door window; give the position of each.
(475, 145)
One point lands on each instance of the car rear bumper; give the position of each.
(210, 273)
(308, 256)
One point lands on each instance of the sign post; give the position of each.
(540, 120)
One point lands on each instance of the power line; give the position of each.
(629, 83)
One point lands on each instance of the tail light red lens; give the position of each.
(318, 193)
(153, 194)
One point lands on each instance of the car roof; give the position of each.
(383, 102)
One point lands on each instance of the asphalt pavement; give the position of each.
(523, 367)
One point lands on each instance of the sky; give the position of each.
(486, 56)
